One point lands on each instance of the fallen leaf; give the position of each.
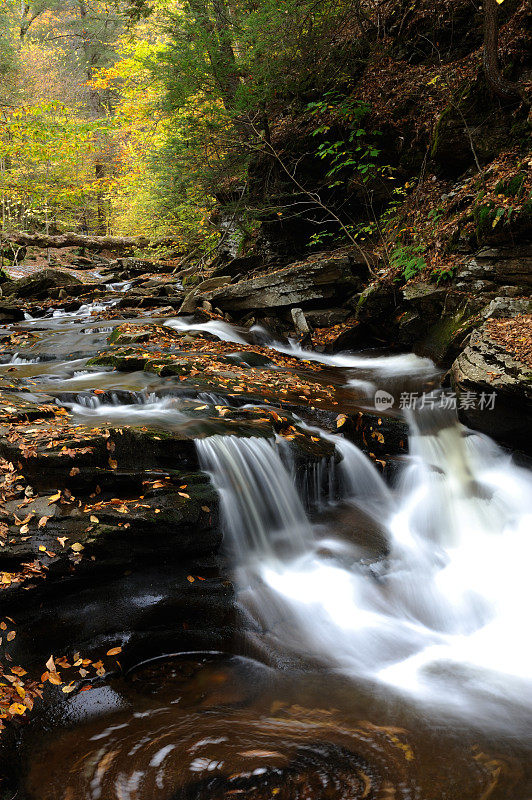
(114, 651)
(17, 708)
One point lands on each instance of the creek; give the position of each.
(384, 650)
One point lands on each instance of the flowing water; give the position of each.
(398, 660)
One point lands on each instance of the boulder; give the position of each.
(192, 299)
(238, 266)
(326, 317)
(494, 389)
(301, 284)
(39, 284)
(300, 323)
(493, 268)
(10, 313)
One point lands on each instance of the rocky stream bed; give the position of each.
(133, 663)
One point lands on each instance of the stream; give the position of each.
(388, 651)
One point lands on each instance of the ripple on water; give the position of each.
(214, 729)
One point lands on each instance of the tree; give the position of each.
(503, 88)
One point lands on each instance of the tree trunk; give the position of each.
(78, 240)
(503, 88)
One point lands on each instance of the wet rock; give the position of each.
(494, 267)
(297, 285)
(326, 317)
(494, 389)
(375, 312)
(250, 359)
(238, 266)
(40, 284)
(502, 307)
(193, 299)
(301, 327)
(10, 313)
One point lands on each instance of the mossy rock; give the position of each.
(484, 216)
(123, 361)
(511, 187)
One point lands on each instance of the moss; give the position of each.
(444, 119)
(484, 216)
(511, 187)
(123, 361)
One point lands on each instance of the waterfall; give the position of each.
(263, 514)
(19, 361)
(441, 609)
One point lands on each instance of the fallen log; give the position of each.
(81, 240)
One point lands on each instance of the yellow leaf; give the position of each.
(190, 579)
(114, 651)
(94, 519)
(17, 708)
(76, 547)
(50, 664)
(341, 419)
(53, 498)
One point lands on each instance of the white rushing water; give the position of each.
(17, 360)
(442, 617)
(143, 409)
(405, 363)
(222, 330)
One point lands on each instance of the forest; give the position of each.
(266, 394)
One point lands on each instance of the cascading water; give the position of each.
(443, 601)
(419, 589)
(262, 511)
